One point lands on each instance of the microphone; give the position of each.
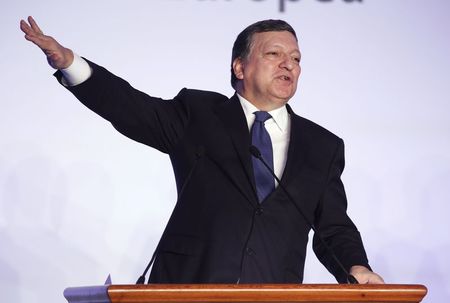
(200, 152)
(257, 154)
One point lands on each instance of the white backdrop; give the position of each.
(79, 201)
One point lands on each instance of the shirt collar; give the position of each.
(279, 115)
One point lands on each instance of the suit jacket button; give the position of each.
(259, 211)
(250, 251)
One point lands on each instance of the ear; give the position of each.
(238, 68)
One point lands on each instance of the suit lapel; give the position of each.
(296, 149)
(234, 121)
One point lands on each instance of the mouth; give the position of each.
(285, 78)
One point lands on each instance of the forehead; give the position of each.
(283, 39)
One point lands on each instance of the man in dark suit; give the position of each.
(232, 223)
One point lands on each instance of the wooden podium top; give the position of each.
(205, 293)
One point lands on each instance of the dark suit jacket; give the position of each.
(218, 233)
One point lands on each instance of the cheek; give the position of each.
(297, 77)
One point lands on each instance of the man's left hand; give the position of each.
(365, 276)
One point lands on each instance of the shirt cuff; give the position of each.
(78, 72)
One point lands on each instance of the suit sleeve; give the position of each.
(334, 225)
(149, 120)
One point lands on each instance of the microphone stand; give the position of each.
(257, 154)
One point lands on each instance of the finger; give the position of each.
(28, 30)
(371, 278)
(43, 42)
(33, 36)
(34, 25)
(30, 35)
(377, 280)
(33, 39)
(25, 27)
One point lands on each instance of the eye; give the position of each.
(296, 59)
(272, 53)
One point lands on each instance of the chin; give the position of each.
(284, 98)
(278, 102)
(284, 94)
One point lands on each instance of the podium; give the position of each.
(245, 293)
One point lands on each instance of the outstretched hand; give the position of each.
(58, 56)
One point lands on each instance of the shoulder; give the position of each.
(196, 95)
(320, 143)
(198, 104)
(314, 136)
(314, 130)
(199, 100)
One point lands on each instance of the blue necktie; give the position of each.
(260, 138)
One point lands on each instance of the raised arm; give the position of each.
(58, 56)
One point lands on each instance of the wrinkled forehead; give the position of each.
(283, 39)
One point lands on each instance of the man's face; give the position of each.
(271, 70)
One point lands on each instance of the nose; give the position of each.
(287, 62)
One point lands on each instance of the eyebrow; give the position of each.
(297, 50)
